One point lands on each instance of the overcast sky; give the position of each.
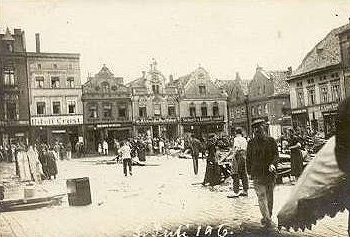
(224, 37)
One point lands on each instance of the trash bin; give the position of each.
(79, 191)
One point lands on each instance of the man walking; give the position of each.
(239, 166)
(125, 154)
(195, 147)
(262, 155)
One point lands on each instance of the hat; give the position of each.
(258, 122)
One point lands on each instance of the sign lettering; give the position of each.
(59, 120)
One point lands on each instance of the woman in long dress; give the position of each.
(296, 157)
(212, 172)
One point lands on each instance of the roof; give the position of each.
(326, 53)
(280, 84)
(104, 73)
(8, 36)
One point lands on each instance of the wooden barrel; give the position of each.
(79, 191)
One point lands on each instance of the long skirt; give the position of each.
(212, 174)
(296, 158)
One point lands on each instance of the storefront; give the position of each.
(157, 127)
(329, 114)
(203, 126)
(51, 129)
(300, 119)
(14, 132)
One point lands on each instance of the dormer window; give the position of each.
(202, 90)
(105, 87)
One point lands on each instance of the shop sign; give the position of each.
(112, 125)
(299, 111)
(329, 107)
(155, 120)
(19, 134)
(203, 119)
(57, 120)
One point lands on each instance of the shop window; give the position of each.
(142, 112)
(122, 111)
(192, 110)
(39, 82)
(202, 90)
(204, 110)
(9, 77)
(40, 108)
(93, 111)
(171, 111)
(215, 109)
(107, 110)
(71, 107)
(11, 111)
(311, 96)
(70, 82)
(155, 89)
(300, 98)
(324, 94)
(336, 92)
(56, 107)
(157, 109)
(55, 82)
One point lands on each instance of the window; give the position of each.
(259, 109)
(143, 112)
(259, 90)
(299, 84)
(242, 111)
(11, 109)
(9, 77)
(40, 108)
(215, 109)
(266, 108)
(105, 87)
(55, 66)
(324, 94)
(335, 92)
(253, 110)
(56, 107)
(300, 98)
(311, 96)
(39, 66)
(70, 66)
(171, 111)
(238, 113)
(71, 107)
(192, 110)
(55, 82)
(204, 110)
(70, 82)
(155, 89)
(264, 90)
(122, 111)
(39, 82)
(157, 111)
(93, 111)
(107, 110)
(202, 90)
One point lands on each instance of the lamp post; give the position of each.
(246, 101)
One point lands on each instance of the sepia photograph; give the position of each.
(174, 118)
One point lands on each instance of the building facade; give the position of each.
(14, 110)
(318, 85)
(56, 111)
(344, 39)
(202, 104)
(155, 105)
(107, 109)
(237, 104)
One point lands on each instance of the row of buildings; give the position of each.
(42, 97)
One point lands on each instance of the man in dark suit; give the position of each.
(196, 147)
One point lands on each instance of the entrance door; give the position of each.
(155, 129)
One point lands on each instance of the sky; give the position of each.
(222, 36)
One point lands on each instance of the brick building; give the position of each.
(269, 97)
(202, 104)
(56, 111)
(318, 85)
(107, 109)
(14, 111)
(155, 105)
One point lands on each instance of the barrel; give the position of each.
(79, 191)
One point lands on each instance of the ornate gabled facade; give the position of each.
(14, 111)
(107, 109)
(202, 104)
(318, 85)
(269, 97)
(154, 105)
(237, 91)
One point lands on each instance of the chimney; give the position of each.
(171, 78)
(238, 77)
(37, 42)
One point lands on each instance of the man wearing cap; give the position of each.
(262, 155)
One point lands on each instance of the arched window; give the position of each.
(105, 87)
(204, 109)
(192, 110)
(215, 109)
